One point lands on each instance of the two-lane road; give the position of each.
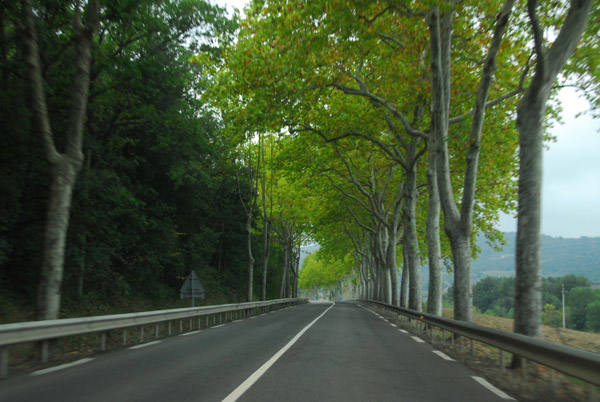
(311, 352)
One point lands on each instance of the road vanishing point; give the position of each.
(320, 351)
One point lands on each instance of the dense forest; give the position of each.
(141, 140)
(160, 187)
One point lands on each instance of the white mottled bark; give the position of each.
(459, 222)
(434, 297)
(64, 167)
(530, 119)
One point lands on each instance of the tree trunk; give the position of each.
(57, 221)
(411, 242)
(286, 262)
(250, 264)
(460, 243)
(459, 223)
(530, 119)
(405, 284)
(393, 269)
(434, 298)
(63, 166)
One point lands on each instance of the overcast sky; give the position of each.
(571, 183)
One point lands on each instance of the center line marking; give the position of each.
(243, 387)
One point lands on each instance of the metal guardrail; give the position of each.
(568, 360)
(44, 331)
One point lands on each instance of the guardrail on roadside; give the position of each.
(571, 361)
(46, 331)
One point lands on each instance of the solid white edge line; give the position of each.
(417, 339)
(243, 387)
(143, 345)
(495, 390)
(62, 366)
(443, 355)
(191, 333)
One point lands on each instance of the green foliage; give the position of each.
(578, 301)
(551, 316)
(495, 296)
(592, 316)
(157, 195)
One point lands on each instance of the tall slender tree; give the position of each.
(531, 113)
(65, 165)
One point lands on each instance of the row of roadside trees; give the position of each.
(412, 125)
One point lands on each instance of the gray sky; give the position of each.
(571, 182)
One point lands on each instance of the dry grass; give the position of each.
(577, 339)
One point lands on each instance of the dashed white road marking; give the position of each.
(403, 331)
(495, 390)
(252, 317)
(243, 387)
(443, 355)
(62, 366)
(417, 339)
(218, 326)
(190, 333)
(393, 325)
(236, 320)
(143, 345)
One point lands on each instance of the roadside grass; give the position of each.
(578, 339)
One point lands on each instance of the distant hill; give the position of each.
(560, 256)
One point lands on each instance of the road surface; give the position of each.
(310, 352)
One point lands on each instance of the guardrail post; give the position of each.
(169, 328)
(4, 362)
(191, 325)
(199, 323)
(472, 350)
(156, 331)
(124, 337)
(180, 326)
(501, 360)
(142, 334)
(524, 363)
(45, 351)
(103, 341)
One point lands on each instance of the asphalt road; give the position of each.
(311, 352)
